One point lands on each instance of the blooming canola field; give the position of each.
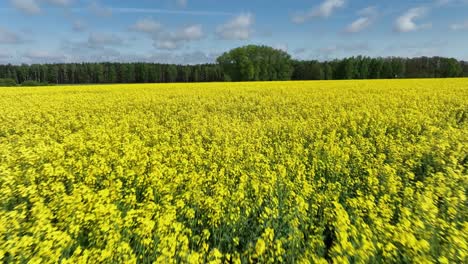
(296, 172)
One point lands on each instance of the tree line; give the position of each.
(248, 63)
(380, 68)
(106, 73)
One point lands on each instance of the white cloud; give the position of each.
(92, 49)
(281, 46)
(30, 7)
(166, 44)
(442, 2)
(41, 56)
(325, 9)
(5, 55)
(81, 52)
(182, 3)
(299, 51)
(9, 37)
(238, 28)
(100, 10)
(96, 40)
(97, 47)
(190, 33)
(110, 55)
(60, 2)
(359, 25)
(147, 25)
(439, 3)
(461, 26)
(131, 10)
(407, 21)
(174, 40)
(368, 16)
(165, 38)
(342, 50)
(370, 11)
(434, 47)
(195, 57)
(79, 26)
(170, 57)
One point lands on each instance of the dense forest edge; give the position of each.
(248, 63)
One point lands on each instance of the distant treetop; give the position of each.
(256, 63)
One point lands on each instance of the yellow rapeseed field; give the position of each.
(296, 172)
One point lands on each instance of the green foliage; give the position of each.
(249, 63)
(380, 68)
(34, 83)
(256, 63)
(7, 82)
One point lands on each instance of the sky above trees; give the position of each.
(197, 31)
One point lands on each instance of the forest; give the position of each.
(249, 63)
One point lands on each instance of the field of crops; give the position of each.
(319, 172)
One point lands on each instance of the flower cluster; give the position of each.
(306, 172)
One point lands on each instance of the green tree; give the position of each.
(53, 74)
(251, 63)
(171, 73)
(7, 82)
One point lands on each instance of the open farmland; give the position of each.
(337, 171)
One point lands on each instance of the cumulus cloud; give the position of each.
(460, 26)
(407, 21)
(238, 28)
(358, 25)
(9, 37)
(147, 25)
(174, 40)
(30, 7)
(190, 33)
(165, 38)
(324, 10)
(366, 19)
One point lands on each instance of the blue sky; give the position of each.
(196, 31)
